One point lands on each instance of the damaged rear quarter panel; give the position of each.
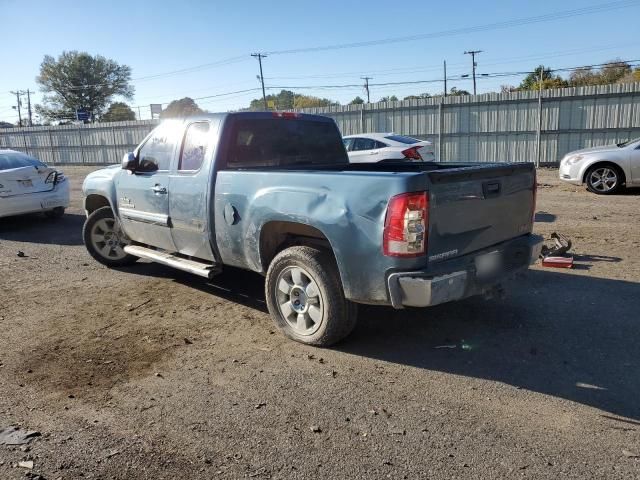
(347, 207)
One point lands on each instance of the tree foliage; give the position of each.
(181, 108)
(356, 101)
(118, 112)
(78, 80)
(287, 100)
(455, 92)
(391, 98)
(417, 97)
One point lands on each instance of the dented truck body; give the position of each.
(264, 182)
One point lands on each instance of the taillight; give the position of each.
(405, 227)
(286, 114)
(412, 153)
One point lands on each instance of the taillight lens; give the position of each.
(405, 227)
(412, 153)
(55, 177)
(286, 115)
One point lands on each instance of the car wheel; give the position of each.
(105, 240)
(604, 179)
(305, 297)
(55, 213)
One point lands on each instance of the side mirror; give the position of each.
(130, 162)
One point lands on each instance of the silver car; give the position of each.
(604, 170)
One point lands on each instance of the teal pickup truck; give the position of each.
(275, 193)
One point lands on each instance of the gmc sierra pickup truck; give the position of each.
(275, 193)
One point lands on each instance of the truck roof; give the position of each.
(261, 115)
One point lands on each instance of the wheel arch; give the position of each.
(94, 201)
(604, 163)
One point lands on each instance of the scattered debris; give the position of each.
(187, 341)
(398, 431)
(17, 436)
(112, 453)
(555, 256)
(630, 454)
(135, 307)
(21, 254)
(159, 375)
(316, 429)
(260, 405)
(28, 464)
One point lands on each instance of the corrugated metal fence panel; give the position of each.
(490, 127)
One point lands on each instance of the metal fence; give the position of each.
(520, 126)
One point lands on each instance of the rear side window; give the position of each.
(364, 144)
(403, 139)
(9, 160)
(281, 142)
(348, 143)
(157, 151)
(194, 146)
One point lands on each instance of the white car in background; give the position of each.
(604, 170)
(27, 185)
(378, 147)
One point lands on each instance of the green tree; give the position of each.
(118, 112)
(181, 108)
(287, 100)
(454, 92)
(417, 97)
(392, 98)
(631, 77)
(356, 101)
(77, 80)
(581, 77)
(532, 81)
(614, 71)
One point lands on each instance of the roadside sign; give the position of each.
(82, 115)
(156, 110)
(271, 104)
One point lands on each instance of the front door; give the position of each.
(143, 196)
(190, 186)
(634, 165)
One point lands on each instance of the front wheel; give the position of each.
(604, 179)
(305, 297)
(105, 240)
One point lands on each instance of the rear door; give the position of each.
(474, 208)
(143, 196)
(189, 189)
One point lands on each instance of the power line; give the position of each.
(478, 28)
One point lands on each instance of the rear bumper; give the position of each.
(35, 202)
(460, 278)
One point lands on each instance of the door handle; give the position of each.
(159, 189)
(372, 153)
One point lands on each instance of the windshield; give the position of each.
(628, 142)
(10, 160)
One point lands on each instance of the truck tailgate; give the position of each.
(476, 207)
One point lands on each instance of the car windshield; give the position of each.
(10, 160)
(403, 139)
(628, 142)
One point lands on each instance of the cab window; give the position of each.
(194, 147)
(157, 151)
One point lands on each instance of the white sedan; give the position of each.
(27, 185)
(604, 170)
(378, 147)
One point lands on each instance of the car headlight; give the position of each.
(573, 159)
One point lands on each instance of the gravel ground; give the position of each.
(146, 372)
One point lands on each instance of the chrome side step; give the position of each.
(206, 270)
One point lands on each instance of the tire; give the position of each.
(104, 239)
(57, 212)
(322, 316)
(604, 179)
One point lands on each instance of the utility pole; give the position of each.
(539, 132)
(445, 78)
(29, 107)
(366, 87)
(17, 93)
(473, 54)
(260, 56)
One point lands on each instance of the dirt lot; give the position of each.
(150, 373)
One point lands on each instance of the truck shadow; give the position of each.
(36, 228)
(560, 334)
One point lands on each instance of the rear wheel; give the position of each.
(305, 297)
(105, 240)
(604, 179)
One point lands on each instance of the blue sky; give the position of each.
(158, 37)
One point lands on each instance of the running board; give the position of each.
(206, 270)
